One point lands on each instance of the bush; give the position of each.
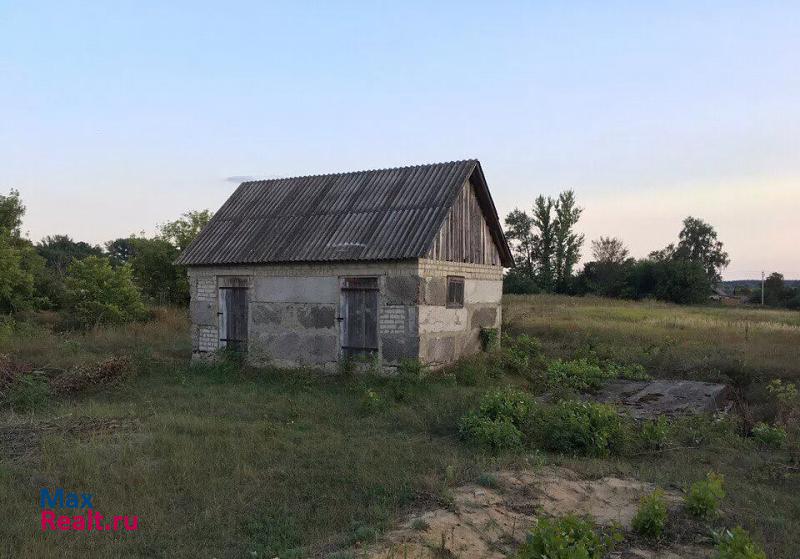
(489, 339)
(651, 516)
(574, 427)
(522, 355)
(632, 371)
(371, 402)
(577, 375)
(704, 496)
(98, 293)
(736, 544)
(496, 434)
(568, 537)
(499, 420)
(507, 403)
(29, 392)
(769, 436)
(654, 433)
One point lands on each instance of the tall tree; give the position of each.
(609, 250)
(698, 242)
(19, 263)
(519, 230)
(774, 290)
(544, 241)
(60, 250)
(183, 230)
(567, 242)
(11, 212)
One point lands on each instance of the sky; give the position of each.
(118, 116)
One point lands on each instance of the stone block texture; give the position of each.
(294, 310)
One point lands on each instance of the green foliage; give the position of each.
(704, 497)
(582, 428)
(98, 293)
(18, 267)
(585, 374)
(577, 375)
(182, 231)
(60, 250)
(654, 433)
(498, 422)
(544, 244)
(371, 402)
(154, 272)
(769, 435)
(736, 544)
(411, 369)
(651, 517)
(28, 392)
(489, 339)
(681, 281)
(521, 355)
(788, 399)
(568, 537)
(488, 480)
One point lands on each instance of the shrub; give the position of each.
(575, 427)
(631, 371)
(99, 293)
(651, 516)
(28, 392)
(498, 422)
(411, 369)
(736, 544)
(577, 375)
(489, 339)
(522, 355)
(704, 497)
(507, 403)
(568, 537)
(371, 402)
(496, 434)
(654, 433)
(471, 371)
(769, 435)
(788, 399)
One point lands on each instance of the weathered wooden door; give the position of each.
(359, 311)
(233, 318)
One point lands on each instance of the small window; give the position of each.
(455, 292)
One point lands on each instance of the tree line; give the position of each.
(90, 284)
(547, 249)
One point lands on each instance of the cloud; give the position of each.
(240, 178)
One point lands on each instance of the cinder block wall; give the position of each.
(293, 310)
(447, 334)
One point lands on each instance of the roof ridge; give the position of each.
(456, 161)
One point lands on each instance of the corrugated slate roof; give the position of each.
(385, 214)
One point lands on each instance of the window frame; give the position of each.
(454, 280)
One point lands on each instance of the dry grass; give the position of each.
(669, 340)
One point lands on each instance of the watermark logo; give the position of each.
(87, 518)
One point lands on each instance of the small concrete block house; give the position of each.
(387, 264)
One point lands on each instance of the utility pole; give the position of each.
(762, 288)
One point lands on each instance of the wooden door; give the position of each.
(360, 316)
(233, 318)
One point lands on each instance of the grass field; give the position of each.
(226, 462)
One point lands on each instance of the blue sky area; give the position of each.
(116, 116)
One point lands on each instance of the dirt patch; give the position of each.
(490, 523)
(21, 441)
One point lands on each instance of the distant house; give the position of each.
(387, 264)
